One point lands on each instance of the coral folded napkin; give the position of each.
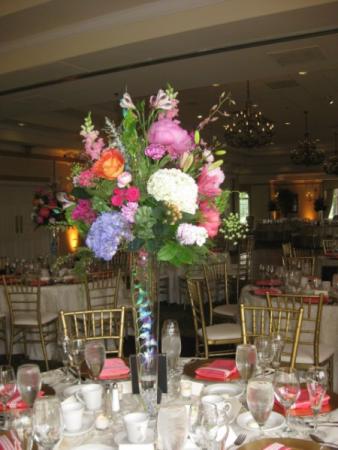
(10, 441)
(16, 401)
(114, 368)
(263, 291)
(276, 446)
(302, 406)
(219, 370)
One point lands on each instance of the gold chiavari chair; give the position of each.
(106, 325)
(330, 246)
(264, 321)
(243, 264)
(288, 250)
(216, 282)
(306, 264)
(102, 289)
(310, 351)
(222, 334)
(28, 324)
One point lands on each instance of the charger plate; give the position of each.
(292, 443)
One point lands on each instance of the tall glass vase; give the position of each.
(54, 242)
(144, 276)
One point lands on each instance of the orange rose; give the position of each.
(110, 165)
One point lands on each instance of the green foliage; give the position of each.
(177, 254)
(100, 205)
(81, 193)
(144, 221)
(81, 226)
(222, 201)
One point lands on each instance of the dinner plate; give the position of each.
(293, 444)
(87, 425)
(246, 421)
(94, 447)
(229, 390)
(122, 438)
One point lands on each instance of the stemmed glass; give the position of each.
(264, 351)
(29, 382)
(277, 343)
(47, 422)
(66, 356)
(246, 358)
(172, 426)
(287, 390)
(7, 384)
(77, 350)
(95, 356)
(171, 342)
(316, 383)
(260, 399)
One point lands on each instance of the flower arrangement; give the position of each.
(233, 229)
(48, 208)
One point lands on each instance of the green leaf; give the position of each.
(197, 137)
(168, 251)
(80, 192)
(100, 205)
(144, 222)
(215, 164)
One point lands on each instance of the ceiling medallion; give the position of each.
(306, 151)
(331, 163)
(248, 128)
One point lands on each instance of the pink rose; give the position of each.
(124, 179)
(118, 197)
(209, 181)
(85, 178)
(210, 218)
(168, 133)
(132, 194)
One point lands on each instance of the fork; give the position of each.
(238, 441)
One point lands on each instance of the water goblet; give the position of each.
(260, 399)
(264, 351)
(316, 383)
(77, 350)
(95, 356)
(65, 349)
(246, 358)
(277, 343)
(172, 426)
(287, 389)
(7, 384)
(171, 342)
(29, 382)
(47, 426)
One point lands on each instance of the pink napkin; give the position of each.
(263, 291)
(303, 400)
(220, 370)
(276, 446)
(114, 368)
(16, 401)
(10, 441)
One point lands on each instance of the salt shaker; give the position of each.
(115, 400)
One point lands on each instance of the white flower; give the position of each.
(176, 187)
(126, 102)
(123, 179)
(188, 234)
(161, 101)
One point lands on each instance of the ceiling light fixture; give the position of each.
(302, 73)
(306, 151)
(287, 123)
(215, 85)
(331, 163)
(21, 124)
(248, 128)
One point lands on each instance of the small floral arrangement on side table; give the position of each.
(48, 210)
(233, 229)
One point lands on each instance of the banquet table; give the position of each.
(329, 328)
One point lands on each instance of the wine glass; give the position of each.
(77, 350)
(47, 422)
(171, 343)
(287, 390)
(316, 383)
(29, 382)
(172, 426)
(264, 351)
(246, 357)
(277, 343)
(95, 356)
(260, 399)
(7, 384)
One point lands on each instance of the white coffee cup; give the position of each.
(91, 396)
(72, 413)
(136, 425)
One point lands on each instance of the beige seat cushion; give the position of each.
(223, 331)
(31, 319)
(227, 310)
(305, 353)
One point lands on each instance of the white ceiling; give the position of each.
(47, 46)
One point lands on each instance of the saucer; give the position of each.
(246, 421)
(122, 438)
(87, 425)
(226, 390)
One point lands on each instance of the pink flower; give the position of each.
(168, 133)
(83, 211)
(155, 151)
(209, 181)
(85, 178)
(132, 194)
(128, 211)
(93, 145)
(210, 218)
(118, 197)
(123, 179)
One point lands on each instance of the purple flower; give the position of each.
(129, 210)
(83, 211)
(106, 234)
(155, 151)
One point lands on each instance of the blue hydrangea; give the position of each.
(106, 233)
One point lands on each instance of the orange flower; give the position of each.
(110, 165)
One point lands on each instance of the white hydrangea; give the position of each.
(188, 234)
(176, 187)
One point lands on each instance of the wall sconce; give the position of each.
(309, 196)
(72, 239)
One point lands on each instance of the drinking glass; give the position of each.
(29, 382)
(316, 383)
(147, 365)
(7, 384)
(246, 357)
(260, 399)
(95, 356)
(171, 342)
(66, 357)
(172, 426)
(264, 351)
(277, 343)
(287, 390)
(77, 350)
(47, 422)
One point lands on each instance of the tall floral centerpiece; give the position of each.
(152, 188)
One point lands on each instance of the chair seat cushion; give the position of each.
(227, 310)
(223, 331)
(31, 319)
(305, 353)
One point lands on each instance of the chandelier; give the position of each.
(331, 163)
(306, 151)
(248, 128)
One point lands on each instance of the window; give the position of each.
(334, 206)
(244, 210)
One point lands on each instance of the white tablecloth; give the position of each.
(329, 327)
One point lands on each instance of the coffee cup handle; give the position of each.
(78, 397)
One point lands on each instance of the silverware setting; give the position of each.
(317, 439)
(238, 441)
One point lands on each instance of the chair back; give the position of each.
(287, 250)
(330, 246)
(102, 289)
(92, 325)
(306, 264)
(265, 321)
(195, 297)
(311, 324)
(216, 281)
